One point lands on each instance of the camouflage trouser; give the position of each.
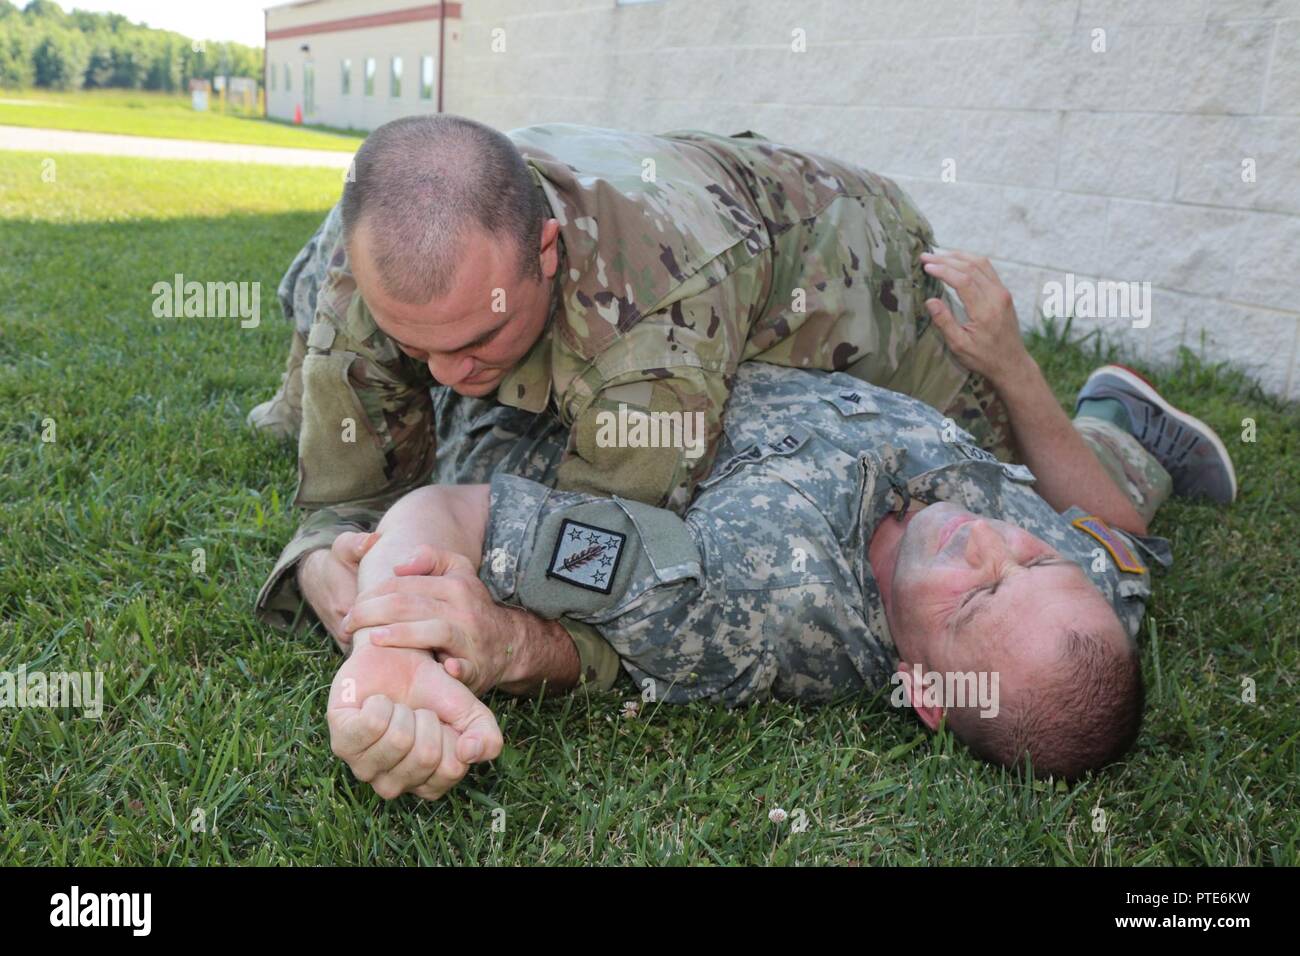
(1130, 466)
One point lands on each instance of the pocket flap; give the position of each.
(781, 442)
(339, 458)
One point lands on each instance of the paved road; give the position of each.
(111, 144)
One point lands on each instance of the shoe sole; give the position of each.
(1144, 388)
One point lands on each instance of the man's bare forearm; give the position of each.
(544, 655)
(1068, 473)
(989, 344)
(453, 519)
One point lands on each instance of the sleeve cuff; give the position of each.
(280, 602)
(599, 662)
(514, 506)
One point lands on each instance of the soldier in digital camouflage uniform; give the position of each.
(763, 587)
(770, 585)
(683, 256)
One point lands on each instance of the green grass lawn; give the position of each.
(137, 113)
(207, 710)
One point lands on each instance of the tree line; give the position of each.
(42, 45)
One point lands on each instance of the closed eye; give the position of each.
(483, 339)
(1041, 561)
(970, 595)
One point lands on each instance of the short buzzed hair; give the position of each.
(422, 183)
(1086, 714)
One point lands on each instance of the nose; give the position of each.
(983, 544)
(451, 371)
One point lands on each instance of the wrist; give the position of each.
(540, 652)
(1019, 375)
(306, 572)
(520, 653)
(315, 589)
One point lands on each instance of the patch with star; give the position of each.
(1124, 557)
(586, 556)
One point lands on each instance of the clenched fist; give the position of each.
(404, 725)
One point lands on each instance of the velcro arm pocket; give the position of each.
(339, 457)
(593, 559)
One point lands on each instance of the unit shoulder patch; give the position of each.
(1124, 557)
(586, 556)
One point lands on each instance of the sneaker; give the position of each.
(1186, 447)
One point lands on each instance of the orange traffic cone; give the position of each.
(297, 114)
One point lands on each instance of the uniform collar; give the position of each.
(886, 494)
(884, 497)
(528, 385)
(975, 485)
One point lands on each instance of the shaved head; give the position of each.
(1078, 712)
(974, 595)
(422, 186)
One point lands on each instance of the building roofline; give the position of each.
(290, 3)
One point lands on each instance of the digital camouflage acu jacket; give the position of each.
(764, 587)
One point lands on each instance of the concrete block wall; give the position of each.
(1163, 149)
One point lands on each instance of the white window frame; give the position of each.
(427, 65)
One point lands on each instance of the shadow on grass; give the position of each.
(348, 131)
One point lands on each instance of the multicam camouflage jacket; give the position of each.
(764, 587)
(683, 255)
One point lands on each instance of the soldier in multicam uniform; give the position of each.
(789, 576)
(678, 258)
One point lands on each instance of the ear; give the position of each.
(550, 247)
(912, 677)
